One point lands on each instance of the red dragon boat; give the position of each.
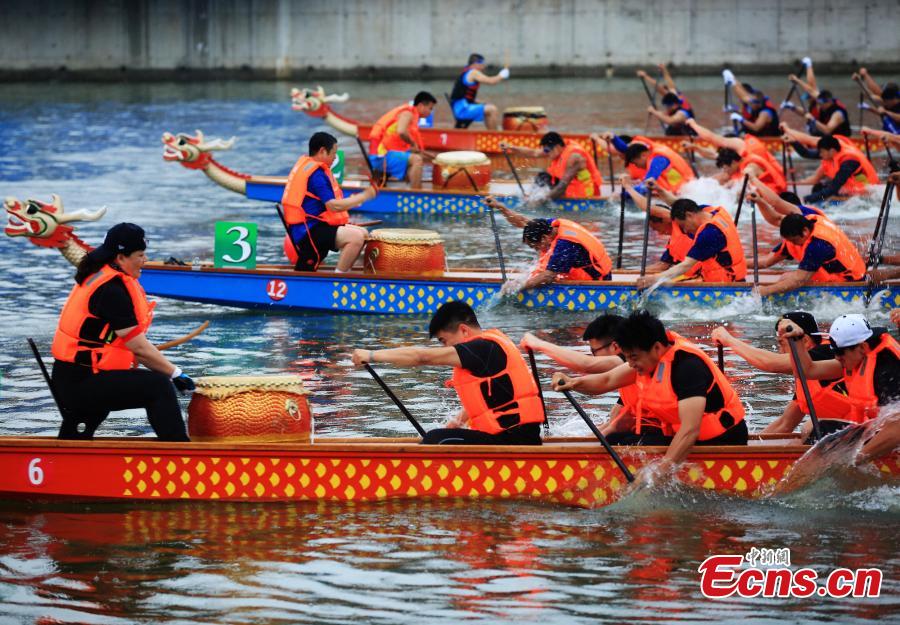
(316, 103)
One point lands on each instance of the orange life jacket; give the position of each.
(630, 396)
(861, 381)
(680, 244)
(846, 254)
(772, 175)
(657, 397)
(576, 233)
(830, 402)
(383, 137)
(297, 189)
(721, 268)
(861, 178)
(106, 351)
(475, 392)
(587, 181)
(674, 176)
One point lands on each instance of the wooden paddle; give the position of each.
(40, 361)
(287, 229)
(184, 339)
(720, 352)
(537, 380)
(396, 400)
(646, 232)
(621, 228)
(512, 168)
(612, 452)
(737, 214)
(792, 343)
(878, 239)
(755, 245)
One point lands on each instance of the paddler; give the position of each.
(758, 115)
(823, 251)
(465, 90)
(499, 397)
(887, 100)
(676, 383)
(716, 246)
(315, 209)
(572, 171)
(844, 170)
(676, 109)
(775, 206)
(101, 338)
(826, 115)
(621, 428)
(829, 397)
(567, 250)
(737, 156)
(647, 160)
(396, 148)
(868, 359)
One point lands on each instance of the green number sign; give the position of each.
(337, 167)
(235, 244)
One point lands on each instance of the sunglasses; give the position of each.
(546, 149)
(601, 348)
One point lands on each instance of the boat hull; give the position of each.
(574, 472)
(284, 290)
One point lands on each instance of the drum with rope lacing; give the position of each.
(525, 118)
(401, 250)
(458, 170)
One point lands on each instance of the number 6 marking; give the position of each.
(35, 472)
(243, 233)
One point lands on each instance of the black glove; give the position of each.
(184, 383)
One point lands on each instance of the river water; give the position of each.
(443, 562)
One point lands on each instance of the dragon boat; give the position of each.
(316, 103)
(280, 288)
(195, 152)
(568, 471)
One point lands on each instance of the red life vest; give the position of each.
(107, 351)
(680, 244)
(851, 265)
(674, 176)
(576, 233)
(462, 91)
(630, 396)
(475, 392)
(861, 381)
(864, 175)
(830, 402)
(384, 137)
(297, 189)
(658, 398)
(729, 265)
(587, 181)
(756, 153)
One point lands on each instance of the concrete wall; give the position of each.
(347, 37)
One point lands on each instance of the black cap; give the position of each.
(552, 139)
(891, 92)
(634, 150)
(123, 238)
(805, 321)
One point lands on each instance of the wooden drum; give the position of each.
(250, 408)
(400, 250)
(448, 170)
(527, 118)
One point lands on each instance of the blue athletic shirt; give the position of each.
(568, 255)
(708, 243)
(817, 253)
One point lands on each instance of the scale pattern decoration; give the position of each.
(404, 297)
(578, 481)
(439, 204)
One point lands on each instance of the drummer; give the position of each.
(676, 382)
(824, 253)
(315, 209)
(829, 397)
(622, 428)
(573, 173)
(101, 338)
(465, 90)
(396, 148)
(500, 401)
(567, 249)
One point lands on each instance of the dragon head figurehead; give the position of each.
(314, 102)
(194, 152)
(47, 225)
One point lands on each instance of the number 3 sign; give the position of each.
(235, 245)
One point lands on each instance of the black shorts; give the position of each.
(313, 247)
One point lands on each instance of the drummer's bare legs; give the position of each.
(414, 171)
(491, 117)
(349, 241)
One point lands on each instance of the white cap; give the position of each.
(849, 330)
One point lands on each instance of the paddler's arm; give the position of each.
(884, 442)
(833, 122)
(146, 352)
(787, 282)
(809, 88)
(651, 81)
(770, 259)
(408, 356)
(789, 419)
(595, 384)
(352, 201)
(881, 134)
(678, 118)
(569, 358)
(539, 278)
(780, 206)
(672, 272)
(667, 78)
(640, 199)
(803, 138)
(844, 173)
(518, 149)
(575, 164)
(814, 369)
(516, 219)
(479, 76)
(690, 413)
(772, 216)
(706, 134)
(620, 420)
(759, 358)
